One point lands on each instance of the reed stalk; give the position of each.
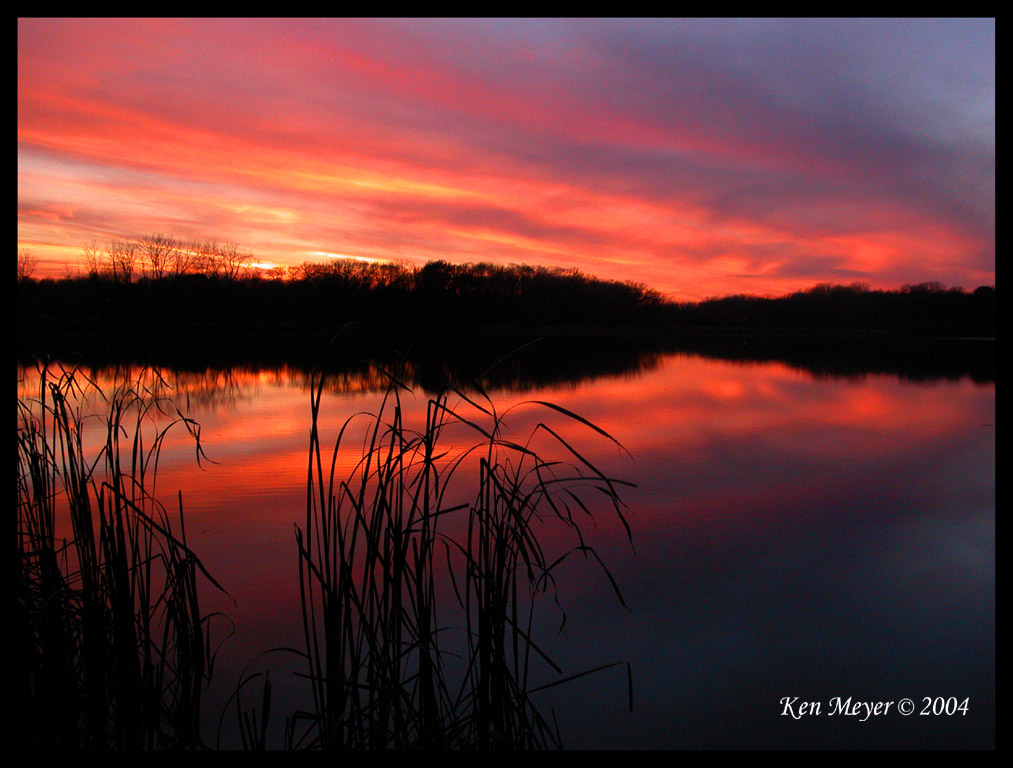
(115, 650)
(418, 607)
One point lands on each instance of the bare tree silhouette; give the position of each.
(27, 263)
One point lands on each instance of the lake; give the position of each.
(801, 535)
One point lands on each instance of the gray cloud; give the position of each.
(814, 128)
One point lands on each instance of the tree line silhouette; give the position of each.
(928, 308)
(161, 280)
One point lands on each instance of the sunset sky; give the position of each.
(702, 157)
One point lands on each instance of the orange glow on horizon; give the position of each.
(341, 146)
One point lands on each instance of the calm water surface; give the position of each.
(793, 536)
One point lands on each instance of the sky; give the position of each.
(702, 157)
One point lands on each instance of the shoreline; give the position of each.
(561, 353)
(49, 324)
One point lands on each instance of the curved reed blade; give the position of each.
(377, 626)
(116, 650)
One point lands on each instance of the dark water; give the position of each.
(800, 529)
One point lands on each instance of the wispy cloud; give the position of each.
(686, 154)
